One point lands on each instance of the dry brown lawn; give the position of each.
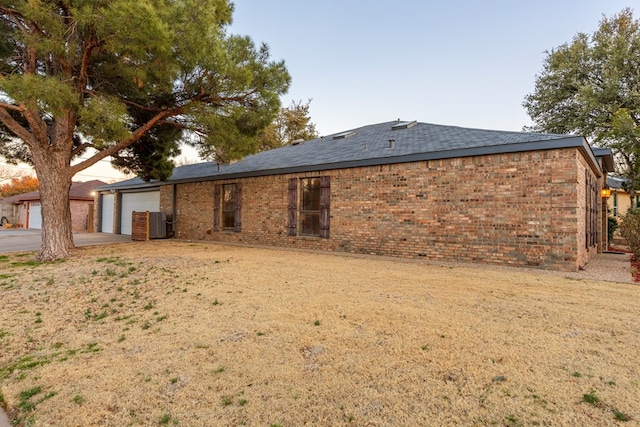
(195, 334)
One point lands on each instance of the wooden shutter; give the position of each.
(292, 220)
(325, 201)
(237, 220)
(216, 207)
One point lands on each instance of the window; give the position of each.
(615, 204)
(312, 202)
(227, 207)
(310, 207)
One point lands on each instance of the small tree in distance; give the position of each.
(291, 123)
(21, 185)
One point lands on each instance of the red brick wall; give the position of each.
(521, 209)
(79, 215)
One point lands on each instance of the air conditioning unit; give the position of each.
(148, 225)
(157, 225)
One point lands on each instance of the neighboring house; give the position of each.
(619, 201)
(404, 189)
(25, 208)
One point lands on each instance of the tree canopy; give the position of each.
(591, 86)
(21, 185)
(130, 79)
(292, 123)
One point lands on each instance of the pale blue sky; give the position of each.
(456, 62)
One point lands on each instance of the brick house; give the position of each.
(404, 189)
(619, 201)
(23, 210)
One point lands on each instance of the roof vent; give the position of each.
(344, 135)
(297, 141)
(404, 125)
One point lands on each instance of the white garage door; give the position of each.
(35, 216)
(138, 202)
(106, 219)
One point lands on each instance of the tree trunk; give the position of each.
(55, 183)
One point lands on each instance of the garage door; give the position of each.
(139, 202)
(106, 219)
(35, 216)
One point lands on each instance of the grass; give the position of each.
(23, 398)
(135, 340)
(621, 416)
(591, 398)
(26, 363)
(512, 420)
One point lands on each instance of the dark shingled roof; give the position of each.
(383, 143)
(78, 191)
(617, 183)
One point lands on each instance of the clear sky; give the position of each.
(466, 63)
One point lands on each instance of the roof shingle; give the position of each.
(370, 145)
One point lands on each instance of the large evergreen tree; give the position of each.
(127, 78)
(591, 87)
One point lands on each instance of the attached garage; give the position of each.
(35, 216)
(106, 218)
(137, 202)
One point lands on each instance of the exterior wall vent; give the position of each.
(404, 125)
(344, 135)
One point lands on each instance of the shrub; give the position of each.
(612, 227)
(630, 230)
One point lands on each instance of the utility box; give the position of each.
(148, 225)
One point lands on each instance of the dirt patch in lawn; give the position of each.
(195, 334)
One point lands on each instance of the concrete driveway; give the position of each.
(19, 239)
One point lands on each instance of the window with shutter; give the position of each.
(325, 201)
(292, 218)
(311, 215)
(216, 207)
(237, 219)
(310, 207)
(227, 207)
